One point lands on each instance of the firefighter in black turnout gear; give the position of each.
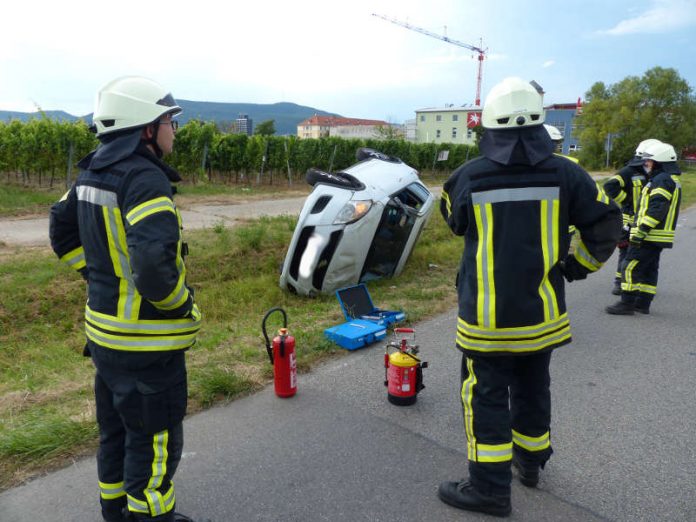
(118, 226)
(625, 188)
(651, 231)
(513, 206)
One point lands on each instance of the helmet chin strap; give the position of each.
(153, 141)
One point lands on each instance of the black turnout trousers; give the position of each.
(141, 402)
(507, 409)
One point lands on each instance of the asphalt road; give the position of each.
(624, 419)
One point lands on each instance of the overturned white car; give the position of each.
(358, 224)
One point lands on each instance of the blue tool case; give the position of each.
(365, 324)
(356, 333)
(356, 303)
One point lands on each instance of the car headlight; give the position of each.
(352, 211)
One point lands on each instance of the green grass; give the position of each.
(688, 183)
(19, 200)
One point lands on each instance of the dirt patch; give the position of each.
(16, 401)
(185, 201)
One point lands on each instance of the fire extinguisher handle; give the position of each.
(263, 328)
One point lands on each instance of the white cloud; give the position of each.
(548, 63)
(663, 16)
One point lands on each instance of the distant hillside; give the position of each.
(286, 115)
(24, 116)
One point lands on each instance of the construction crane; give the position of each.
(481, 52)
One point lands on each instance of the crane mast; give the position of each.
(477, 49)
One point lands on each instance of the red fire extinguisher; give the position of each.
(282, 356)
(403, 371)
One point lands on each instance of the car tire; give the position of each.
(315, 176)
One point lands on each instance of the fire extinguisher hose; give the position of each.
(265, 334)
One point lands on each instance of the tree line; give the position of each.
(45, 152)
(659, 104)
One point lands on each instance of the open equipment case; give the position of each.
(365, 324)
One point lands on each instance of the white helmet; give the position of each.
(513, 103)
(660, 152)
(130, 102)
(554, 133)
(643, 145)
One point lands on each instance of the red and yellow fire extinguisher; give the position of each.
(282, 355)
(403, 371)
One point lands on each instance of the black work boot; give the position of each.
(529, 475)
(462, 495)
(113, 515)
(643, 305)
(621, 308)
(616, 290)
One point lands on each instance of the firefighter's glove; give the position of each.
(623, 243)
(572, 270)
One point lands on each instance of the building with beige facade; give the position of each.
(329, 126)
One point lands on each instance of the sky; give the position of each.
(334, 56)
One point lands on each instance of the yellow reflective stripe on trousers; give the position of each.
(140, 343)
(493, 452)
(627, 284)
(467, 394)
(154, 497)
(140, 506)
(140, 212)
(128, 297)
(549, 248)
(645, 288)
(137, 506)
(110, 491)
(75, 259)
(485, 293)
(531, 443)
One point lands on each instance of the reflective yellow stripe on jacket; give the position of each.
(75, 259)
(141, 334)
(520, 339)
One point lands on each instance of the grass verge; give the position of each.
(19, 200)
